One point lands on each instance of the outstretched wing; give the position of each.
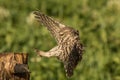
(53, 26)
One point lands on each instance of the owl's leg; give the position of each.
(53, 52)
(44, 54)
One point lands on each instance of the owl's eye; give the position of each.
(77, 32)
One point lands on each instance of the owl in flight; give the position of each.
(68, 49)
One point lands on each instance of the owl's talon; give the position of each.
(38, 52)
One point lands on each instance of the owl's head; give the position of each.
(74, 33)
(68, 31)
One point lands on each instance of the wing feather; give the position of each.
(53, 26)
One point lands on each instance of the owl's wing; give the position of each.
(52, 25)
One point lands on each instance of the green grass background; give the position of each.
(98, 22)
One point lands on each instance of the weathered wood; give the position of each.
(13, 66)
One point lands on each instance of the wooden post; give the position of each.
(14, 66)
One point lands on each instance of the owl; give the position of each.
(68, 49)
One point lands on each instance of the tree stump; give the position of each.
(14, 66)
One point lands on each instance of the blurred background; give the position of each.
(98, 22)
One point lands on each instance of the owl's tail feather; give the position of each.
(68, 70)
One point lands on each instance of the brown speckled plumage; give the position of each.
(69, 48)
